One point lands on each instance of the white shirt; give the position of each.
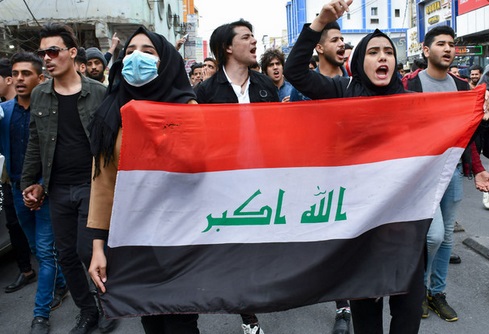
(245, 96)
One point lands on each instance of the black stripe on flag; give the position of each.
(262, 278)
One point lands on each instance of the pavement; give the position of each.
(476, 225)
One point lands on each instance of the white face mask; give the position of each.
(139, 68)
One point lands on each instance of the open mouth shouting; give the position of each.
(382, 72)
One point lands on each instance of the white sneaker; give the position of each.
(485, 199)
(249, 329)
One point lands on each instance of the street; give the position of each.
(467, 293)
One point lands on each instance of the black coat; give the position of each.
(217, 89)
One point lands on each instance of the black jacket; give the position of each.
(309, 82)
(217, 89)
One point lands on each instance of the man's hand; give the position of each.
(33, 196)
(115, 40)
(98, 265)
(481, 181)
(330, 13)
(179, 43)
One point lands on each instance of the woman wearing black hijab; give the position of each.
(373, 68)
(371, 75)
(151, 70)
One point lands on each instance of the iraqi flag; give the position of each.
(265, 207)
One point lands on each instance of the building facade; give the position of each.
(406, 22)
(390, 16)
(94, 21)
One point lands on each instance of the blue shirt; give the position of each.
(285, 90)
(19, 137)
(295, 95)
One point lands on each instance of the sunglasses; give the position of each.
(52, 52)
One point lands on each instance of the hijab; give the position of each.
(361, 84)
(171, 85)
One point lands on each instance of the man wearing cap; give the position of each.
(96, 64)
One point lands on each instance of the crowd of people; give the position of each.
(61, 138)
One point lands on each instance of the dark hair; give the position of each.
(81, 56)
(313, 62)
(440, 30)
(476, 68)
(419, 63)
(64, 31)
(194, 66)
(348, 46)
(268, 56)
(453, 65)
(327, 28)
(255, 66)
(5, 68)
(28, 57)
(212, 60)
(222, 37)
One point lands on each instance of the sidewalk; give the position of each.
(474, 218)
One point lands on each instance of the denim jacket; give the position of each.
(43, 128)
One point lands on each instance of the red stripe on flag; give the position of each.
(217, 137)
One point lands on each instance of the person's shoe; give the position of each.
(342, 322)
(455, 259)
(252, 329)
(424, 307)
(438, 304)
(485, 199)
(458, 228)
(85, 323)
(106, 325)
(59, 295)
(40, 325)
(21, 281)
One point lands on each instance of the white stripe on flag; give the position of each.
(157, 208)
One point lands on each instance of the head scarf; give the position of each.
(171, 85)
(361, 84)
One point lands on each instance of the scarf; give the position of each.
(171, 85)
(361, 84)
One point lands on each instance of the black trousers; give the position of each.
(405, 309)
(170, 324)
(19, 242)
(69, 212)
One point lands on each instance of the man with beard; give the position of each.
(332, 56)
(475, 72)
(272, 64)
(96, 64)
(14, 130)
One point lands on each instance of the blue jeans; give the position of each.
(440, 235)
(39, 232)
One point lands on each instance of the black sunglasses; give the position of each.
(52, 52)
